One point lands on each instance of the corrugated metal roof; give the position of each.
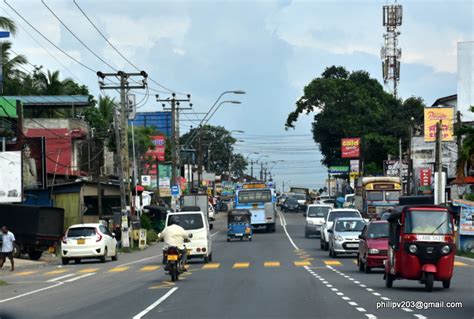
(69, 100)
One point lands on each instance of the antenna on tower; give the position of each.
(390, 52)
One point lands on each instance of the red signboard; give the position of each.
(350, 147)
(159, 152)
(425, 177)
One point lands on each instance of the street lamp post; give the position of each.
(261, 168)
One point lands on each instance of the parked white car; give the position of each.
(329, 220)
(88, 241)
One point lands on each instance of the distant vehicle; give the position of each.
(290, 205)
(373, 245)
(212, 213)
(329, 220)
(261, 201)
(344, 235)
(300, 190)
(349, 201)
(315, 214)
(301, 198)
(88, 241)
(36, 228)
(327, 201)
(199, 200)
(197, 224)
(375, 194)
(238, 224)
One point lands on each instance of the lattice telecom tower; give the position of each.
(390, 53)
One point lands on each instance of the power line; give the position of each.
(44, 37)
(120, 53)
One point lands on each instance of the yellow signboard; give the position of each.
(254, 185)
(435, 114)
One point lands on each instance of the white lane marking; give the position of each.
(340, 293)
(363, 286)
(329, 286)
(353, 303)
(334, 289)
(384, 298)
(369, 289)
(407, 309)
(139, 260)
(32, 292)
(370, 316)
(283, 224)
(346, 298)
(325, 282)
(155, 304)
(217, 232)
(420, 316)
(80, 277)
(376, 294)
(361, 309)
(59, 278)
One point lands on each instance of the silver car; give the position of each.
(344, 236)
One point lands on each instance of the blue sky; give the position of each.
(270, 49)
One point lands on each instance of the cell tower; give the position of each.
(390, 53)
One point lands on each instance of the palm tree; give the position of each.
(8, 24)
(51, 84)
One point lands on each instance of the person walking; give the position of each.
(8, 239)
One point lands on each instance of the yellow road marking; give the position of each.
(332, 262)
(354, 261)
(118, 269)
(55, 272)
(149, 268)
(88, 270)
(164, 285)
(458, 263)
(271, 264)
(241, 265)
(25, 273)
(310, 258)
(211, 266)
(302, 263)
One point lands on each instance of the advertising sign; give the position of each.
(392, 168)
(338, 169)
(146, 180)
(165, 192)
(354, 166)
(164, 183)
(425, 177)
(435, 114)
(11, 182)
(466, 225)
(350, 147)
(157, 154)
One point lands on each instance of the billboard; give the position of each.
(159, 152)
(34, 163)
(392, 168)
(161, 121)
(338, 169)
(425, 178)
(350, 147)
(435, 114)
(11, 182)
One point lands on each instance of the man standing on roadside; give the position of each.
(8, 239)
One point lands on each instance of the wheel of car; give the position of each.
(334, 254)
(65, 261)
(367, 269)
(115, 257)
(446, 283)
(77, 260)
(306, 234)
(321, 245)
(35, 254)
(388, 280)
(330, 253)
(206, 259)
(210, 257)
(361, 264)
(16, 250)
(228, 239)
(102, 258)
(326, 246)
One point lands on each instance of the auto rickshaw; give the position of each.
(421, 245)
(157, 216)
(238, 224)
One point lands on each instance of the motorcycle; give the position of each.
(175, 261)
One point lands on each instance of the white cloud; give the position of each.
(179, 51)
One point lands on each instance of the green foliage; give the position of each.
(146, 222)
(3, 283)
(469, 197)
(8, 25)
(217, 148)
(151, 236)
(355, 105)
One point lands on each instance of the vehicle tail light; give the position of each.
(203, 250)
(449, 239)
(98, 238)
(409, 237)
(198, 250)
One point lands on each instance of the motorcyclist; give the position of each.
(175, 236)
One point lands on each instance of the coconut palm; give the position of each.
(8, 24)
(50, 83)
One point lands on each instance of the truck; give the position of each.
(197, 200)
(36, 228)
(300, 190)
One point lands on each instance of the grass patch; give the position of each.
(465, 254)
(3, 283)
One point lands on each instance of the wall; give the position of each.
(70, 202)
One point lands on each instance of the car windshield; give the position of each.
(81, 232)
(428, 222)
(299, 196)
(342, 214)
(255, 196)
(378, 230)
(375, 196)
(349, 225)
(392, 195)
(187, 221)
(318, 211)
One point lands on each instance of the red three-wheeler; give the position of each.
(421, 245)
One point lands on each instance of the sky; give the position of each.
(269, 49)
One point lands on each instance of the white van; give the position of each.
(315, 214)
(195, 223)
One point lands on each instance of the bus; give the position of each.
(260, 199)
(377, 194)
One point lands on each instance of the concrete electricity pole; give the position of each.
(438, 165)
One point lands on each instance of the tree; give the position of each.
(465, 162)
(352, 104)
(217, 147)
(8, 24)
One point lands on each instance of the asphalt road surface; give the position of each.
(276, 275)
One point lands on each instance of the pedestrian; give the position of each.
(8, 239)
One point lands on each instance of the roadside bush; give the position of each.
(469, 197)
(151, 236)
(146, 222)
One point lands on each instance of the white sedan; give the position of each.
(88, 241)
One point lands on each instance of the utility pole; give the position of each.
(459, 137)
(175, 148)
(199, 159)
(251, 169)
(400, 162)
(118, 159)
(439, 165)
(122, 136)
(410, 161)
(261, 171)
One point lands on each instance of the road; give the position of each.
(278, 275)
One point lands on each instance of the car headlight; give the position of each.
(373, 251)
(412, 249)
(339, 238)
(445, 249)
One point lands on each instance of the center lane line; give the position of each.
(155, 304)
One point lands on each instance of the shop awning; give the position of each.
(8, 108)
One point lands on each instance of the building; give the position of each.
(465, 62)
(161, 121)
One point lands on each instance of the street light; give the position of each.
(214, 112)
